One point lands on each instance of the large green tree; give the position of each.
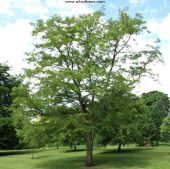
(158, 104)
(8, 137)
(77, 60)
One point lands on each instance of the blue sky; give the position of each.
(11, 10)
(149, 8)
(16, 39)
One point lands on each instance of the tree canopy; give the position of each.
(158, 104)
(77, 61)
(8, 137)
(165, 129)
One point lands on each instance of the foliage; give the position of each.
(73, 136)
(33, 126)
(77, 60)
(123, 126)
(8, 138)
(165, 129)
(158, 104)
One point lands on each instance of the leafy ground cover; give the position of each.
(105, 158)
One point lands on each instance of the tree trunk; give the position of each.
(157, 142)
(119, 147)
(89, 150)
(75, 147)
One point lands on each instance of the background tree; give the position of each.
(165, 129)
(8, 137)
(36, 128)
(158, 104)
(135, 118)
(126, 114)
(34, 120)
(77, 60)
(73, 136)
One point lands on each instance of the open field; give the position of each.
(105, 158)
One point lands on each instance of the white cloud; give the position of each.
(161, 29)
(16, 37)
(165, 2)
(67, 9)
(15, 41)
(112, 5)
(5, 7)
(42, 8)
(149, 11)
(134, 2)
(32, 7)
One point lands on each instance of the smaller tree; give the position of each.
(73, 136)
(158, 104)
(41, 123)
(8, 137)
(165, 129)
(125, 113)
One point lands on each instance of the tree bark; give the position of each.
(89, 150)
(119, 147)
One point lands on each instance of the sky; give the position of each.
(16, 39)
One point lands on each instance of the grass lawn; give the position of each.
(105, 158)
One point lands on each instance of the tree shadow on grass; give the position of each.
(102, 160)
(71, 151)
(128, 158)
(63, 163)
(121, 161)
(18, 152)
(131, 157)
(127, 150)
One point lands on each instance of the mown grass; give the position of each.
(105, 158)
